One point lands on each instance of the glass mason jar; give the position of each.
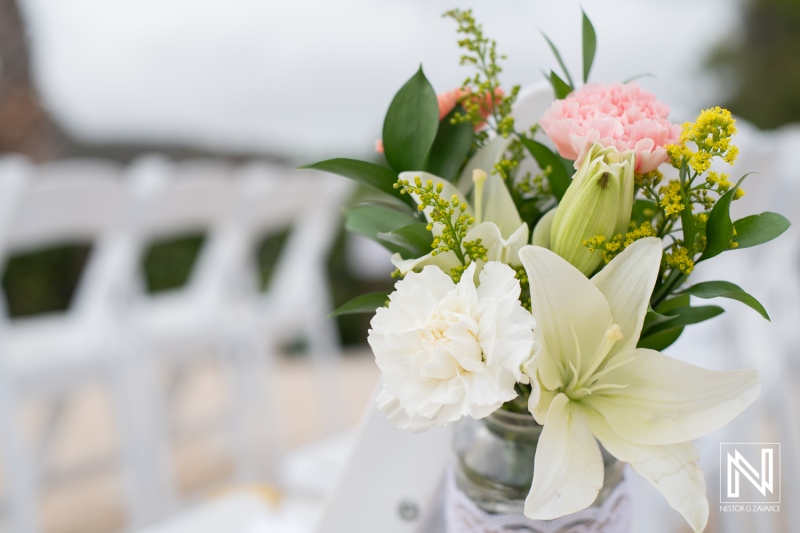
(494, 461)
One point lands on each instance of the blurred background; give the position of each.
(200, 110)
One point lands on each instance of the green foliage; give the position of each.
(369, 219)
(411, 123)
(451, 147)
(725, 289)
(370, 174)
(589, 46)
(366, 303)
(758, 229)
(545, 158)
(719, 228)
(483, 100)
(560, 87)
(409, 241)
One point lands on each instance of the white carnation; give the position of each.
(449, 350)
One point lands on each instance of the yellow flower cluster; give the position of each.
(711, 133)
(719, 180)
(680, 258)
(610, 248)
(671, 199)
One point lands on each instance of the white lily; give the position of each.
(497, 223)
(643, 406)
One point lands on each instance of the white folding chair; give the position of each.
(49, 355)
(175, 328)
(298, 300)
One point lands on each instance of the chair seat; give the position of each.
(179, 320)
(56, 344)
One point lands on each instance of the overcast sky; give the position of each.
(311, 78)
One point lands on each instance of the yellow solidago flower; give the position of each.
(671, 201)
(679, 258)
(711, 133)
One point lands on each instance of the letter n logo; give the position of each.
(749, 472)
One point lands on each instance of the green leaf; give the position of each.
(369, 174)
(589, 46)
(560, 87)
(687, 315)
(370, 220)
(411, 124)
(559, 179)
(558, 58)
(660, 341)
(758, 229)
(643, 210)
(411, 241)
(652, 318)
(639, 76)
(719, 228)
(451, 147)
(366, 303)
(725, 289)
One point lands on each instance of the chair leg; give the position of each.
(255, 423)
(325, 351)
(133, 443)
(22, 475)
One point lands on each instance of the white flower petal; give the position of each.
(666, 401)
(445, 261)
(497, 247)
(499, 207)
(568, 468)
(541, 233)
(446, 351)
(567, 306)
(671, 469)
(389, 406)
(484, 159)
(627, 282)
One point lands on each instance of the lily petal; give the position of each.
(541, 233)
(667, 401)
(568, 468)
(445, 261)
(571, 313)
(627, 282)
(484, 159)
(497, 247)
(499, 207)
(671, 469)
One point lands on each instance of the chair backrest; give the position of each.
(68, 202)
(175, 199)
(63, 202)
(274, 199)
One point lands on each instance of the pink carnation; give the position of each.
(624, 116)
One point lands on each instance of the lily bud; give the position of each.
(597, 202)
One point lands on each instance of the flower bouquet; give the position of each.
(543, 243)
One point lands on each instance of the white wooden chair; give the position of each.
(48, 356)
(297, 301)
(173, 329)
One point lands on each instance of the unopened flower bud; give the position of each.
(597, 202)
